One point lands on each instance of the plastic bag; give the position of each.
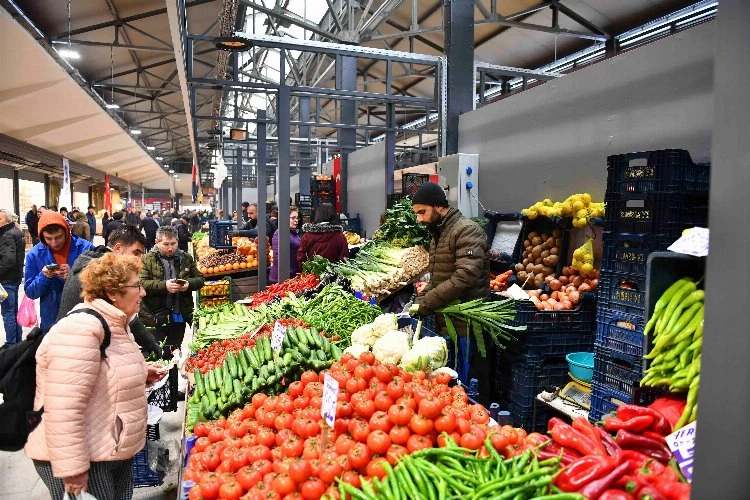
(26, 313)
(163, 456)
(3, 293)
(583, 258)
(84, 495)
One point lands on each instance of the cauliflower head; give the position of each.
(369, 333)
(390, 347)
(356, 349)
(427, 354)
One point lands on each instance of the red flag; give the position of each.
(195, 182)
(107, 196)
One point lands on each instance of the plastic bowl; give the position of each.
(581, 365)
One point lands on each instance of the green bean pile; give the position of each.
(338, 312)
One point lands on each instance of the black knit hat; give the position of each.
(430, 194)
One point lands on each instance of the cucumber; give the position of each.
(316, 337)
(301, 336)
(200, 388)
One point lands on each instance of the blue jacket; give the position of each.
(92, 224)
(36, 285)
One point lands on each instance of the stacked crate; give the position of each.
(651, 198)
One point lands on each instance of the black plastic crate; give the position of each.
(165, 397)
(411, 182)
(521, 381)
(143, 476)
(581, 319)
(661, 170)
(622, 292)
(545, 225)
(302, 199)
(532, 419)
(605, 400)
(657, 212)
(318, 185)
(353, 224)
(628, 253)
(617, 373)
(220, 233)
(539, 346)
(620, 332)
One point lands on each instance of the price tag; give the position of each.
(277, 337)
(330, 398)
(693, 242)
(682, 444)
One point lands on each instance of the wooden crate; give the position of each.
(243, 287)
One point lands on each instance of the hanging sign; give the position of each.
(66, 196)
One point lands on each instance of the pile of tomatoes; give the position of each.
(275, 447)
(213, 355)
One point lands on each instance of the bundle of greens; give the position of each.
(317, 265)
(338, 312)
(491, 317)
(401, 228)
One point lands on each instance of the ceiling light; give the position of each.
(69, 54)
(171, 170)
(159, 158)
(233, 43)
(150, 148)
(135, 131)
(113, 106)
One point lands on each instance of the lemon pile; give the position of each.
(583, 258)
(578, 206)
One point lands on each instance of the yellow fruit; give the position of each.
(533, 214)
(587, 268)
(586, 198)
(577, 205)
(582, 214)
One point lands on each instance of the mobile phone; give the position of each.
(52, 267)
(180, 282)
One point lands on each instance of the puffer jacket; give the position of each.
(459, 263)
(326, 240)
(94, 409)
(12, 249)
(152, 279)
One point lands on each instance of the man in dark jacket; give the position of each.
(460, 269)
(132, 218)
(12, 249)
(32, 223)
(115, 223)
(183, 232)
(250, 229)
(168, 276)
(126, 240)
(91, 216)
(149, 226)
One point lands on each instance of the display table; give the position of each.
(562, 405)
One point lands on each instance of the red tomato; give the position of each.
(216, 434)
(416, 443)
(210, 460)
(359, 455)
(499, 440)
(237, 428)
(380, 421)
(479, 415)
(364, 370)
(344, 395)
(248, 477)
(419, 424)
(442, 378)
(316, 402)
(201, 444)
(339, 377)
(375, 468)
(352, 478)
(225, 466)
(283, 435)
(313, 389)
(463, 425)
(344, 409)
(201, 429)
(269, 418)
(230, 490)
(378, 442)
(249, 440)
(399, 434)
(400, 414)
(240, 459)
(343, 444)
(395, 452)
(209, 486)
(293, 447)
(359, 429)
(301, 402)
(383, 373)
(383, 401)
(442, 439)
(446, 422)
(470, 441)
(296, 388)
(395, 388)
(364, 408)
(312, 489)
(263, 466)
(258, 399)
(266, 436)
(430, 407)
(408, 400)
(355, 384)
(283, 420)
(284, 404)
(283, 484)
(329, 471)
(367, 357)
(300, 470)
(308, 377)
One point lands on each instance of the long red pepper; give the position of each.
(583, 471)
(635, 424)
(594, 489)
(567, 436)
(645, 445)
(660, 425)
(609, 442)
(582, 425)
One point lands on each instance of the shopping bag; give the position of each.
(26, 312)
(3, 293)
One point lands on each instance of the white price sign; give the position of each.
(330, 398)
(693, 242)
(682, 444)
(277, 337)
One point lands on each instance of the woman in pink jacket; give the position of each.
(95, 408)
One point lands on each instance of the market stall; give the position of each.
(309, 389)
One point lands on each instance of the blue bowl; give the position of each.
(581, 365)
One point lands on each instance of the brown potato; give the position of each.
(553, 260)
(538, 260)
(556, 233)
(525, 262)
(538, 269)
(548, 270)
(544, 236)
(526, 243)
(522, 276)
(539, 280)
(545, 254)
(536, 251)
(529, 267)
(554, 251)
(519, 267)
(536, 241)
(531, 235)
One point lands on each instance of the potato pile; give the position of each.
(540, 258)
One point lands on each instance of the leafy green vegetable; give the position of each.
(401, 228)
(317, 266)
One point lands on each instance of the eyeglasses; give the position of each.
(138, 286)
(294, 218)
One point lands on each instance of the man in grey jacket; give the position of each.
(12, 250)
(126, 240)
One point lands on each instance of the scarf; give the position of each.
(170, 273)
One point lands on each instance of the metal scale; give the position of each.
(577, 392)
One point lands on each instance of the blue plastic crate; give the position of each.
(657, 212)
(520, 382)
(622, 292)
(534, 348)
(353, 224)
(627, 253)
(605, 400)
(579, 320)
(143, 476)
(617, 373)
(220, 233)
(619, 332)
(661, 170)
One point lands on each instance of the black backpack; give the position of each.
(18, 385)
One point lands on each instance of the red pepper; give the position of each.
(648, 492)
(582, 472)
(569, 437)
(655, 436)
(660, 425)
(609, 442)
(582, 425)
(544, 454)
(628, 440)
(675, 491)
(635, 424)
(616, 495)
(594, 489)
(635, 459)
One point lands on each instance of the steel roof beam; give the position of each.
(89, 43)
(290, 17)
(545, 29)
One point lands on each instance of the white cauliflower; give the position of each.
(356, 349)
(368, 334)
(427, 354)
(390, 347)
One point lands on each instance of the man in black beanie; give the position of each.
(460, 270)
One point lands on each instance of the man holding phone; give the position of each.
(169, 276)
(48, 264)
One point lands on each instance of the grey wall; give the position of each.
(366, 185)
(553, 140)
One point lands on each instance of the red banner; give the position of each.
(337, 180)
(107, 195)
